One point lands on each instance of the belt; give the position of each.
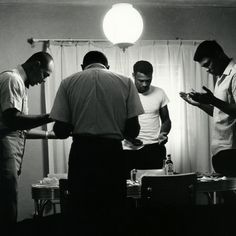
(92, 138)
(10, 132)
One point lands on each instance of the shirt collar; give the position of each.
(228, 69)
(95, 65)
(21, 72)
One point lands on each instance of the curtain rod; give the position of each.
(46, 42)
(35, 40)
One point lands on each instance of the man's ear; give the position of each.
(108, 67)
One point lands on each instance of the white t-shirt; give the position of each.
(150, 123)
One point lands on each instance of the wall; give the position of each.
(20, 22)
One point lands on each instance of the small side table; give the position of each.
(42, 195)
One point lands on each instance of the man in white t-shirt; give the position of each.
(148, 150)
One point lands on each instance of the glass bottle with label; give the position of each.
(133, 174)
(169, 166)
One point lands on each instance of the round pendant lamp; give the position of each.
(123, 25)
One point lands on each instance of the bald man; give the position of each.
(14, 121)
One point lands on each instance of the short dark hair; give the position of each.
(43, 57)
(144, 67)
(95, 57)
(207, 48)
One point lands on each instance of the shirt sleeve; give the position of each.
(60, 110)
(233, 87)
(165, 99)
(134, 105)
(12, 93)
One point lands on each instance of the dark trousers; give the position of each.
(97, 187)
(224, 162)
(151, 156)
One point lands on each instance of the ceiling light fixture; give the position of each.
(123, 25)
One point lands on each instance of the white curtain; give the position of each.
(174, 71)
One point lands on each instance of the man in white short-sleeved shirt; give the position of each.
(14, 121)
(155, 123)
(221, 106)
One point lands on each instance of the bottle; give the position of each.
(169, 166)
(133, 175)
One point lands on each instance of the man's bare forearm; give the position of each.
(206, 108)
(165, 127)
(17, 121)
(227, 108)
(40, 134)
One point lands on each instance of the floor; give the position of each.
(202, 220)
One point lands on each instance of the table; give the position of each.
(212, 187)
(217, 185)
(208, 185)
(42, 194)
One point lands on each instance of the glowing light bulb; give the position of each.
(123, 25)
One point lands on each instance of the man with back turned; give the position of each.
(99, 108)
